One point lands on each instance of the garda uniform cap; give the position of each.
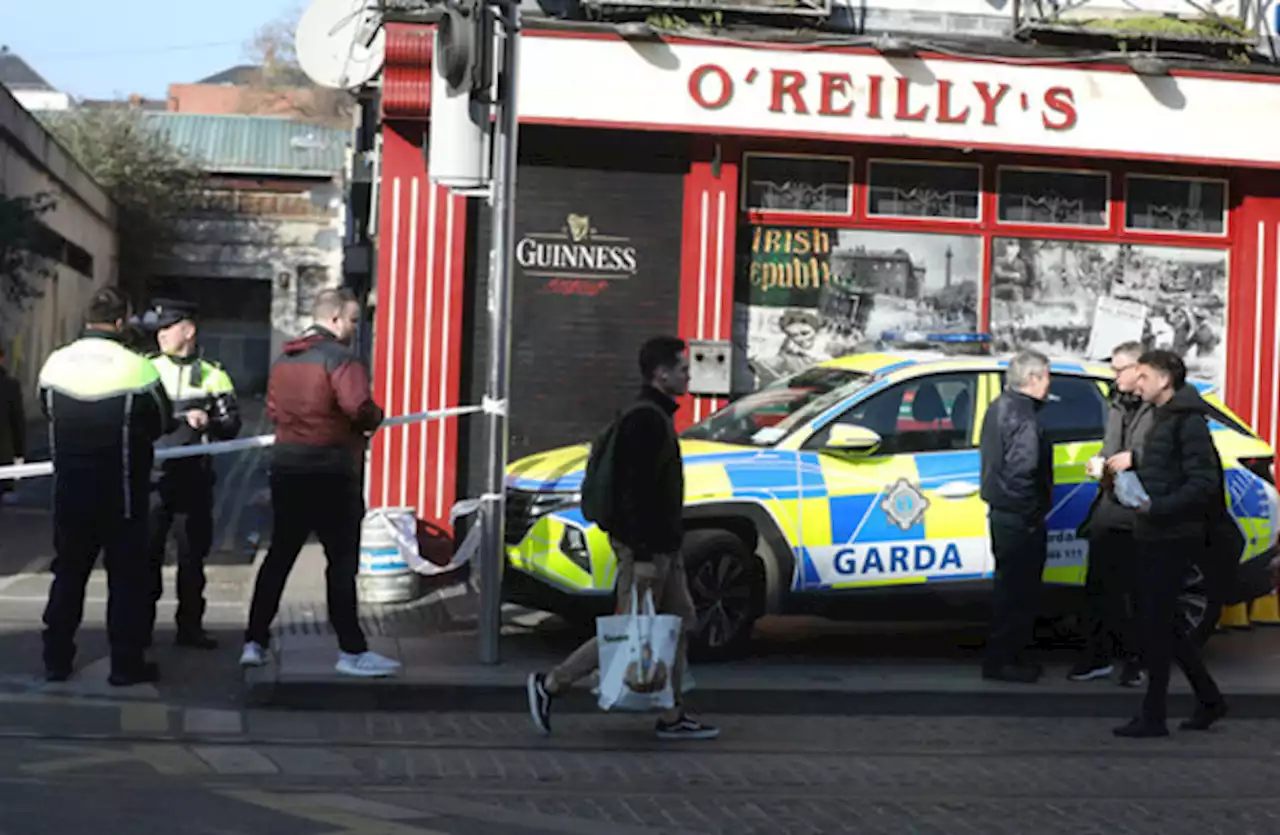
(167, 312)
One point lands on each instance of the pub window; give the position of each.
(798, 184)
(924, 189)
(1053, 197)
(1176, 204)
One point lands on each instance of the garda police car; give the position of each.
(851, 490)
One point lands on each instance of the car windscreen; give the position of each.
(767, 416)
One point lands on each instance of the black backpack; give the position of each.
(598, 481)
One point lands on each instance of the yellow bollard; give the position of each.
(1265, 610)
(1234, 616)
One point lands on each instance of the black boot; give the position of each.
(1141, 729)
(195, 639)
(137, 672)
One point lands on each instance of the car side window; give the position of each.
(926, 414)
(1076, 411)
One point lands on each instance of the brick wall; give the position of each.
(575, 338)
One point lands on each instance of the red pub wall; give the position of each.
(422, 242)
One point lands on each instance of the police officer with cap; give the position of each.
(204, 401)
(106, 408)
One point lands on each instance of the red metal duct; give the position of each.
(406, 75)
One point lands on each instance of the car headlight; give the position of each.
(544, 503)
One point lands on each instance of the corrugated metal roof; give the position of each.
(236, 144)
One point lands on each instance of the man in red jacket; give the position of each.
(318, 398)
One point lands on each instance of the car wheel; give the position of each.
(727, 586)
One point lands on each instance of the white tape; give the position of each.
(492, 406)
(44, 468)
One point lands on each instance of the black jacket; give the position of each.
(1129, 420)
(1017, 459)
(1180, 469)
(107, 408)
(649, 478)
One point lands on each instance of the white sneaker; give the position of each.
(253, 655)
(366, 665)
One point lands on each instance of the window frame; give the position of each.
(1108, 201)
(1094, 383)
(867, 189)
(818, 438)
(1225, 234)
(745, 184)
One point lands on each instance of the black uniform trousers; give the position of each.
(1109, 589)
(190, 504)
(332, 507)
(1162, 570)
(1020, 548)
(80, 532)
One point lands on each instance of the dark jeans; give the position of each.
(1162, 570)
(1020, 551)
(192, 508)
(332, 507)
(1109, 594)
(77, 539)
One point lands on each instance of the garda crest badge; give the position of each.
(904, 504)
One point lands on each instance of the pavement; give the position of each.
(305, 773)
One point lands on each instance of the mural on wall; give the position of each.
(1080, 299)
(812, 293)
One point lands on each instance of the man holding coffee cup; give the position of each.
(1109, 526)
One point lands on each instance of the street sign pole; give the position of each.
(502, 201)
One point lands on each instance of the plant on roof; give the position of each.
(25, 249)
(152, 182)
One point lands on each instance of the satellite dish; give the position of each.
(341, 43)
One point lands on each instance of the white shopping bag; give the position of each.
(637, 656)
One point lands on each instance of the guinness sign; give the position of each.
(577, 251)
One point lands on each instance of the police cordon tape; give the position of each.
(488, 406)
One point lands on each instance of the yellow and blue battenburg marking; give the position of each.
(878, 521)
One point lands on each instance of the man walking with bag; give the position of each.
(638, 499)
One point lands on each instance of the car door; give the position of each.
(908, 512)
(1074, 419)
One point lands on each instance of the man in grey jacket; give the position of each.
(1110, 586)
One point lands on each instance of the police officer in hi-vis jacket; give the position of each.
(106, 408)
(205, 407)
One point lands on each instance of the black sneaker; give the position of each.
(195, 639)
(1141, 729)
(1090, 669)
(1204, 717)
(55, 674)
(1013, 673)
(539, 702)
(686, 727)
(1132, 675)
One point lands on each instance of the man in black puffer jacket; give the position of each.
(1181, 472)
(1017, 485)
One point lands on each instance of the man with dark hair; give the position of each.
(106, 406)
(13, 423)
(205, 401)
(1017, 485)
(318, 397)
(646, 532)
(1181, 472)
(1109, 587)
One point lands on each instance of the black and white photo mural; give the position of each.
(1079, 299)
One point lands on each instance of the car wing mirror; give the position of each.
(855, 439)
